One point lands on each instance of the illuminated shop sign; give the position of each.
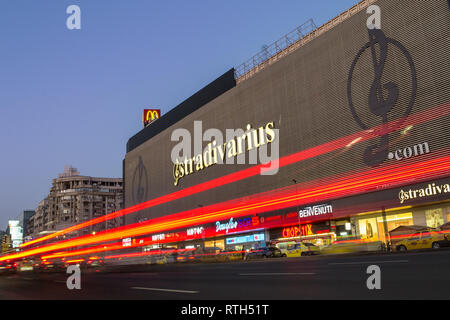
(273, 218)
(431, 190)
(172, 236)
(15, 231)
(213, 154)
(126, 242)
(236, 224)
(150, 115)
(195, 231)
(245, 239)
(230, 225)
(291, 215)
(165, 236)
(319, 210)
(243, 223)
(296, 231)
(158, 237)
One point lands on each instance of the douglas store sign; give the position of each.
(233, 225)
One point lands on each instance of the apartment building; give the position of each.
(73, 199)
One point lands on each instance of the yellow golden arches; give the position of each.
(150, 115)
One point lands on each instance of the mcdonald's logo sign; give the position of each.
(150, 115)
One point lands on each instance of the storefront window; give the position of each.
(215, 244)
(434, 217)
(343, 228)
(396, 220)
(373, 229)
(220, 244)
(368, 229)
(246, 242)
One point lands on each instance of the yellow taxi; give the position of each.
(421, 240)
(302, 249)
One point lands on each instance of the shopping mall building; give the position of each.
(354, 121)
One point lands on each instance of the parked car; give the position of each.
(421, 240)
(302, 249)
(445, 230)
(263, 253)
(283, 246)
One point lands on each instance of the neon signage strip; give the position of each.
(347, 187)
(227, 210)
(107, 236)
(421, 117)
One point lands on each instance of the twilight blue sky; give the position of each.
(74, 97)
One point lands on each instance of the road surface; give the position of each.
(420, 275)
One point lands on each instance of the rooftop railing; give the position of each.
(292, 41)
(259, 60)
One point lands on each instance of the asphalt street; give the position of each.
(420, 275)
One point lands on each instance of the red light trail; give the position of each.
(283, 198)
(418, 118)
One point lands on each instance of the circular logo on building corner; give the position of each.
(140, 183)
(383, 96)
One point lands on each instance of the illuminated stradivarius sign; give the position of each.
(431, 190)
(214, 154)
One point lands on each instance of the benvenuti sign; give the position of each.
(150, 115)
(213, 154)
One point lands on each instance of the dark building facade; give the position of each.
(358, 119)
(26, 216)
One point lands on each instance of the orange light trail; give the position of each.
(148, 229)
(85, 251)
(75, 261)
(263, 202)
(418, 118)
